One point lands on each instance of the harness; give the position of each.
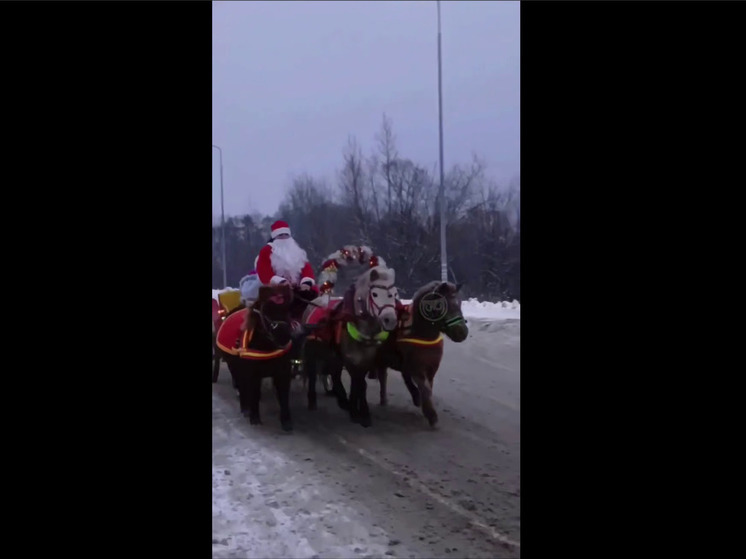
(420, 341)
(433, 307)
(359, 337)
(244, 352)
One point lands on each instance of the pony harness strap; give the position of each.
(358, 336)
(419, 341)
(229, 334)
(259, 354)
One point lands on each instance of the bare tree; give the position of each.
(391, 203)
(352, 185)
(388, 154)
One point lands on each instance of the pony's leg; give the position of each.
(232, 371)
(354, 391)
(254, 385)
(281, 381)
(310, 365)
(382, 373)
(413, 390)
(426, 392)
(243, 389)
(359, 411)
(234, 378)
(215, 361)
(310, 362)
(335, 369)
(431, 375)
(362, 405)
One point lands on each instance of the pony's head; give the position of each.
(439, 303)
(270, 313)
(375, 295)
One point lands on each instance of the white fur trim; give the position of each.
(277, 280)
(280, 231)
(309, 281)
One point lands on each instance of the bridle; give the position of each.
(372, 305)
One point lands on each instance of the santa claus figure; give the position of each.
(282, 260)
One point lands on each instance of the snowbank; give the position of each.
(502, 310)
(495, 311)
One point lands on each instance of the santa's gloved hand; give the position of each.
(305, 286)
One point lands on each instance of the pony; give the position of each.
(416, 348)
(255, 343)
(348, 335)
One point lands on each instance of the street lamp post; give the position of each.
(222, 219)
(443, 261)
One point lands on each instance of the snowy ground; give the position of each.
(397, 489)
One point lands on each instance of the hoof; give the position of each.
(312, 406)
(366, 421)
(384, 403)
(255, 420)
(287, 425)
(416, 402)
(432, 419)
(343, 404)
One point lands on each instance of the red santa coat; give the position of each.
(267, 274)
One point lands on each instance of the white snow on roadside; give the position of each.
(472, 308)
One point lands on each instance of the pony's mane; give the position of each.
(385, 275)
(427, 288)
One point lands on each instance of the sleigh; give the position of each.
(226, 303)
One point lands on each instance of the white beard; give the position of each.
(288, 259)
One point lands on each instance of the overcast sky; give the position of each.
(292, 79)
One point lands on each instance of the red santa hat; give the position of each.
(279, 227)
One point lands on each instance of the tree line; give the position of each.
(391, 203)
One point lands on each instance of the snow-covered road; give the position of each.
(397, 489)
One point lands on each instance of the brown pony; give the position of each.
(255, 343)
(417, 348)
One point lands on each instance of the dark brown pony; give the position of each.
(261, 350)
(417, 348)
